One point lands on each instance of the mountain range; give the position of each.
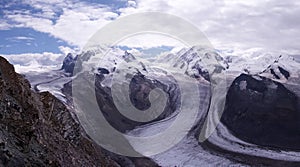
(260, 117)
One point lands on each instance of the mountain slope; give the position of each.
(69, 63)
(263, 112)
(265, 71)
(278, 67)
(195, 61)
(38, 130)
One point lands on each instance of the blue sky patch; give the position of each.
(18, 40)
(27, 40)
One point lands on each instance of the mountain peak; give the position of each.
(69, 63)
(128, 56)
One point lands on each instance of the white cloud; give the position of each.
(270, 24)
(39, 24)
(131, 4)
(20, 38)
(76, 24)
(147, 41)
(4, 25)
(27, 62)
(65, 50)
(23, 38)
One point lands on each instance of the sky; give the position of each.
(42, 27)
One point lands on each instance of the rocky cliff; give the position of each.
(36, 129)
(69, 63)
(264, 112)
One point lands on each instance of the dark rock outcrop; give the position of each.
(277, 70)
(263, 112)
(140, 87)
(128, 57)
(36, 129)
(284, 72)
(69, 63)
(103, 70)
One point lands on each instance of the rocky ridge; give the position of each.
(39, 130)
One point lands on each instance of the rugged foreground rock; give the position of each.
(264, 112)
(36, 129)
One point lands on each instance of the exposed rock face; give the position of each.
(263, 112)
(284, 72)
(103, 71)
(140, 87)
(69, 63)
(128, 57)
(38, 130)
(277, 72)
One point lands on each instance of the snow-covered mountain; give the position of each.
(282, 69)
(106, 63)
(277, 66)
(195, 61)
(69, 63)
